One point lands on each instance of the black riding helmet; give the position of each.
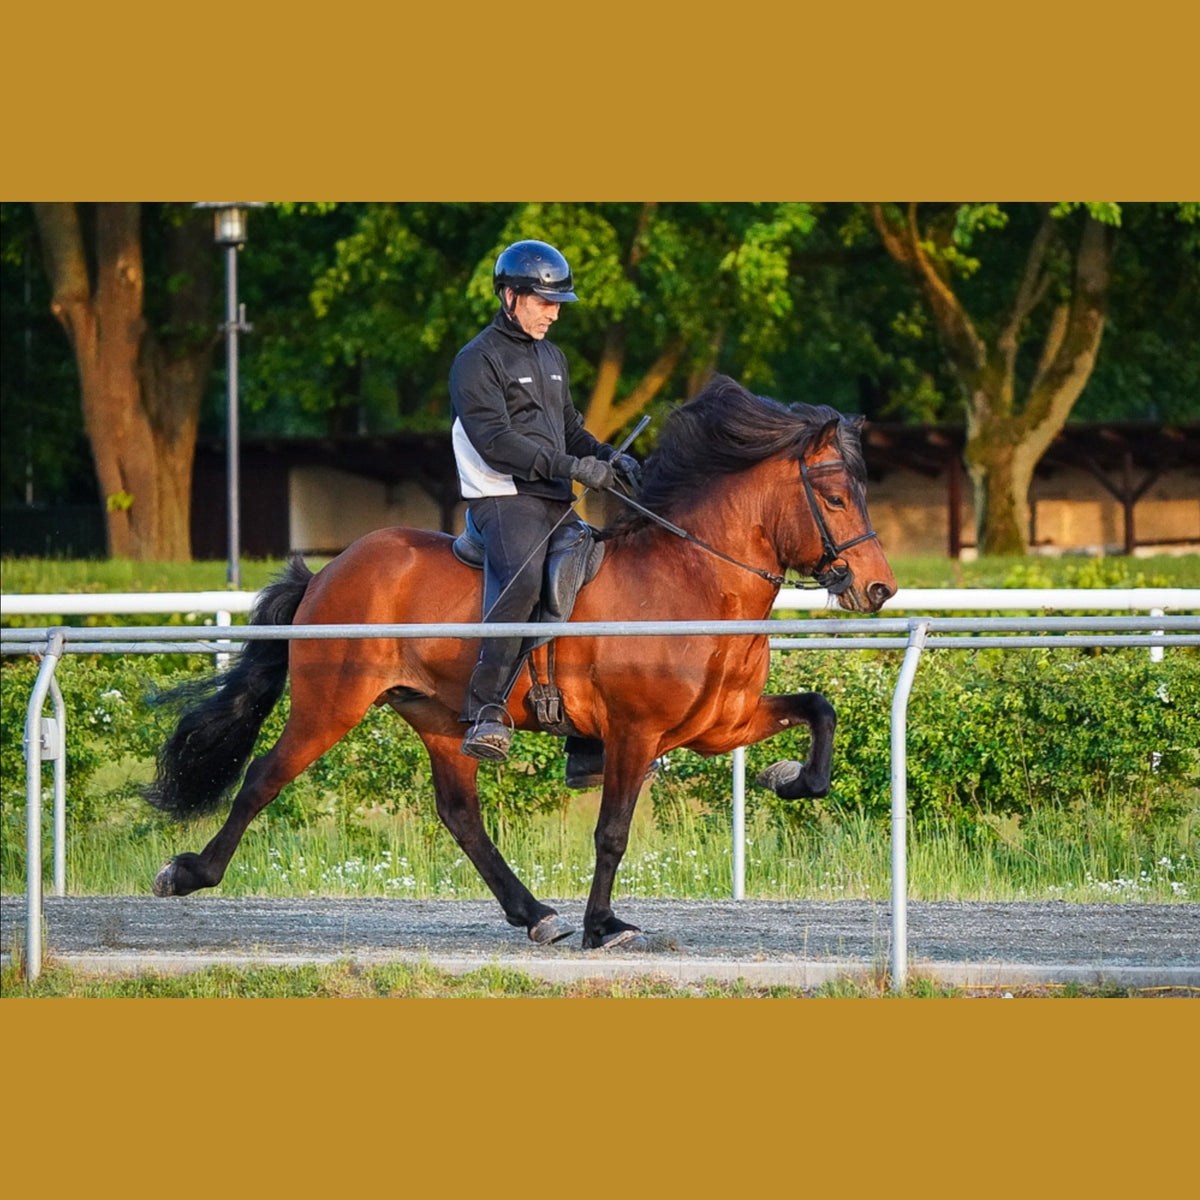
(534, 267)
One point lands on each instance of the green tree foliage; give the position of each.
(357, 312)
(1148, 369)
(365, 339)
(358, 309)
(1020, 297)
(43, 453)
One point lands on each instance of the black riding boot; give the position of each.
(585, 763)
(487, 694)
(514, 531)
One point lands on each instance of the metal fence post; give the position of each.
(224, 619)
(908, 670)
(33, 804)
(739, 823)
(58, 753)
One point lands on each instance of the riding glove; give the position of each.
(628, 469)
(593, 472)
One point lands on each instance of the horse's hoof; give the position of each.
(792, 781)
(779, 775)
(551, 928)
(164, 881)
(627, 939)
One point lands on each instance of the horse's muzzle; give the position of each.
(878, 594)
(869, 599)
(837, 579)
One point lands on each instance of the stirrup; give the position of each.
(489, 740)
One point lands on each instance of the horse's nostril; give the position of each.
(879, 593)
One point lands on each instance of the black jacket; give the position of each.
(515, 427)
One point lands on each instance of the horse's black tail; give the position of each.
(204, 758)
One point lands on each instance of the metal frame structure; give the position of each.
(912, 635)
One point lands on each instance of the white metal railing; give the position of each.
(93, 604)
(912, 634)
(222, 604)
(1166, 599)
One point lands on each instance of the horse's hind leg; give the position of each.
(454, 783)
(301, 744)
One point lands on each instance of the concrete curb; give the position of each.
(798, 973)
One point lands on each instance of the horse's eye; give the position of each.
(835, 502)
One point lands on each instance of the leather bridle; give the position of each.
(828, 573)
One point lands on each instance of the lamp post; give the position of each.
(229, 230)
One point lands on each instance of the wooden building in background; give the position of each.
(1100, 489)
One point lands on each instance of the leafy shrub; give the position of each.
(114, 730)
(989, 732)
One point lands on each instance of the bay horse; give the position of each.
(761, 487)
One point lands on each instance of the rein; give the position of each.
(770, 576)
(833, 578)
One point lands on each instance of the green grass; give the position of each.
(348, 980)
(1053, 855)
(1160, 570)
(320, 838)
(19, 575)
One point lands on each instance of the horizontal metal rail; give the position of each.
(1153, 625)
(93, 604)
(983, 599)
(923, 600)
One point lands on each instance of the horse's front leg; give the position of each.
(624, 773)
(789, 779)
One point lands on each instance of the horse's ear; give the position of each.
(826, 435)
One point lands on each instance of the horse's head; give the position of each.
(836, 544)
(789, 452)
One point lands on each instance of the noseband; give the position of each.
(829, 573)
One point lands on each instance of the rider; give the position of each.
(518, 442)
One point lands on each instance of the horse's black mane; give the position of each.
(725, 429)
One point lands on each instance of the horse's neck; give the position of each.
(655, 571)
(735, 519)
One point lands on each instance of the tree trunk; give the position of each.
(140, 398)
(1001, 469)
(1006, 434)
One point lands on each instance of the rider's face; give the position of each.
(534, 314)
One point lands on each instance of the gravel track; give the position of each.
(802, 943)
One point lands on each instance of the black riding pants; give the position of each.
(516, 533)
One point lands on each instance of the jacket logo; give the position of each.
(558, 377)
(525, 379)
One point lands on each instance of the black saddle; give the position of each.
(572, 560)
